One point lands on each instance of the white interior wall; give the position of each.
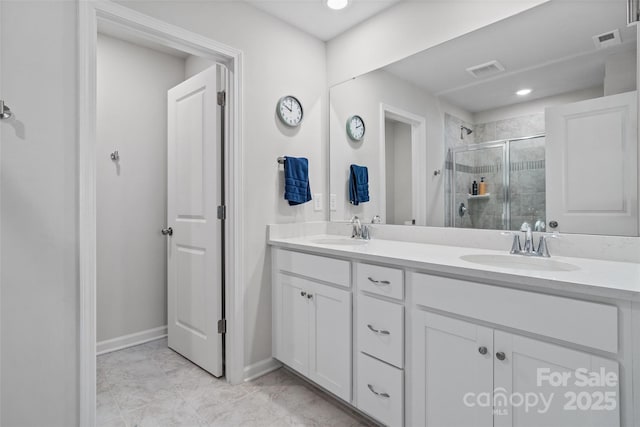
(132, 84)
(267, 44)
(195, 64)
(38, 217)
(410, 27)
(398, 172)
(620, 73)
(403, 205)
(363, 96)
(390, 168)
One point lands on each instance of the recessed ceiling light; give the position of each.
(523, 92)
(337, 4)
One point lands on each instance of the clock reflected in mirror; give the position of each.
(355, 128)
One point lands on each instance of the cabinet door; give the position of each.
(452, 369)
(528, 373)
(293, 322)
(591, 165)
(330, 335)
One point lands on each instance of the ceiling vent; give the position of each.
(485, 70)
(610, 38)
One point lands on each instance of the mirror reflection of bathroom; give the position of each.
(495, 184)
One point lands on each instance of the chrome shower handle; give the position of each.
(5, 111)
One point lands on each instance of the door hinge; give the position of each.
(222, 98)
(222, 212)
(222, 326)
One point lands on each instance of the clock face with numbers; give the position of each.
(290, 110)
(355, 128)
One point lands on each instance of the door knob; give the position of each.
(482, 350)
(167, 231)
(500, 355)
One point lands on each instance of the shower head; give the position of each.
(463, 129)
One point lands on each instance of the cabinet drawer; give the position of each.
(380, 390)
(581, 322)
(381, 329)
(380, 280)
(336, 271)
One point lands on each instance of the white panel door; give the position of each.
(591, 166)
(530, 368)
(330, 335)
(452, 372)
(292, 313)
(194, 250)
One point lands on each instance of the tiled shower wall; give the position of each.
(527, 174)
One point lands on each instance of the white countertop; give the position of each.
(612, 279)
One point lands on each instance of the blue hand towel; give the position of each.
(296, 180)
(358, 184)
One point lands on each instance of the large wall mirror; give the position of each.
(531, 119)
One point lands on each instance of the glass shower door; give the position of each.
(482, 211)
(527, 183)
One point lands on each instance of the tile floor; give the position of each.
(151, 385)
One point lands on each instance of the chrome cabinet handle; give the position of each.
(378, 331)
(379, 282)
(309, 296)
(303, 293)
(482, 350)
(500, 355)
(385, 395)
(167, 231)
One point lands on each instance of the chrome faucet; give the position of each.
(356, 232)
(528, 239)
(529, 249)
(360, 231)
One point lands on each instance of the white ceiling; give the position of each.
(315, 18)
(548, 49)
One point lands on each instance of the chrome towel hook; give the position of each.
(115, 156)
(5, 111)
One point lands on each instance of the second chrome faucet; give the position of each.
(362, 231)
(529, 249)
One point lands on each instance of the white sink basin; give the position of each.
(340, 241)
(520, 262)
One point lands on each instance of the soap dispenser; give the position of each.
(482, 187)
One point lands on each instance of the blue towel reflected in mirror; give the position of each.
(358, 184)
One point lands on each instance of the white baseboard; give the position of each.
(118, 343)
(260, 368)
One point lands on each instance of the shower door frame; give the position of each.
(505, 144)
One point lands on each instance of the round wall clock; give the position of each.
(290, 110)
(355, 128)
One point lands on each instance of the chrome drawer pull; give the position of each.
(379, 282)
(385, 395)
(378, 331)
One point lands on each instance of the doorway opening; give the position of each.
(124, 195)
(403, 160)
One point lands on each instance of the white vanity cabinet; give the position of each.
(312, 318)
(409, 345)
(458, 365)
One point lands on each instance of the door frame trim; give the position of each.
(90, 13)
